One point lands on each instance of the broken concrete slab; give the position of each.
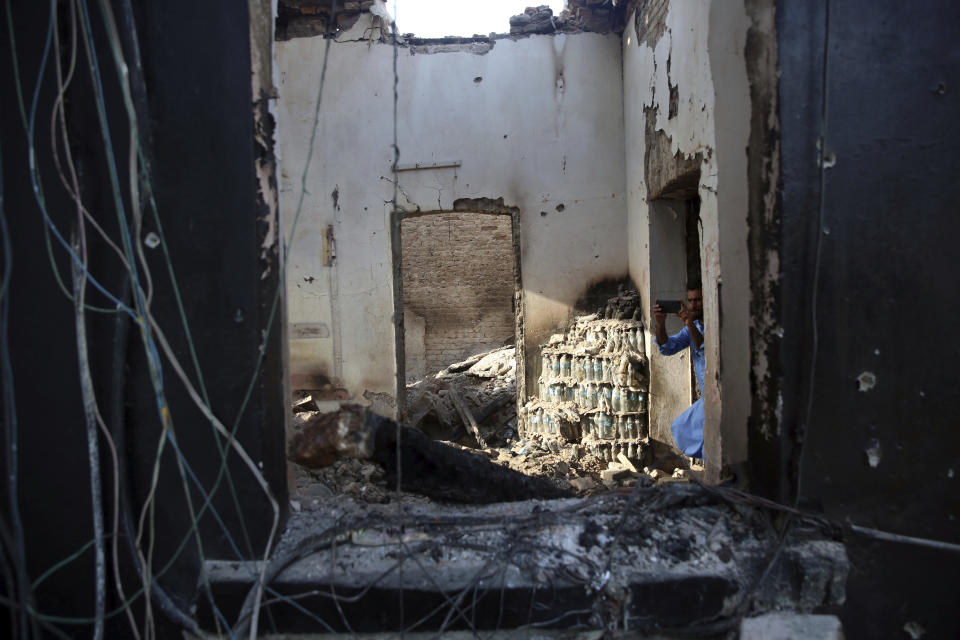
(787, 625)
(653, 560)
(626, 462)
(615, 473)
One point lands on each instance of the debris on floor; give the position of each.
(586, 431)
(429, 468)
(579, 472)
(658, 561)
(472, 402)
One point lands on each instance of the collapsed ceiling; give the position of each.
(305, 18)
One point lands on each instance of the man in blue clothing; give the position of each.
(687, 429)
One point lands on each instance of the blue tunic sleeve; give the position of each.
(676, 342)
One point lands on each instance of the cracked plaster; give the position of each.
(700, 55)
(516, 135)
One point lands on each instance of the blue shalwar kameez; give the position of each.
(687, 429)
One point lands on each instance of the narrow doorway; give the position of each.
(459, 322)
(675, 261)
(458, 288)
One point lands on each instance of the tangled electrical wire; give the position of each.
(70, 45)
(124, 534)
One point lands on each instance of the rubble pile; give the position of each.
(364, 482)
(481, 390)
(586, 430)
(597, 16)
(307, 18)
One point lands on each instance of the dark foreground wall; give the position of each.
(195, 109)
(868, 293)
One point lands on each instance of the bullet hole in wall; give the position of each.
(560, 207)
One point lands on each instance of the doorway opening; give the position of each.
(458, 324)
(458, 288)
(675, 261)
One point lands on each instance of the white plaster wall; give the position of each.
(704, 43)
(543, 127)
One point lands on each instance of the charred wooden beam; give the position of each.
(466, 416)
(425, 466)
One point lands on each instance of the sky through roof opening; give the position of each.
(440, 18)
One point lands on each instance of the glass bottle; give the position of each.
(606, 426)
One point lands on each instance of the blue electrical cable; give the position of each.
(35, 184)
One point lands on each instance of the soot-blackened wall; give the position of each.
(868, 94)
(194, 106)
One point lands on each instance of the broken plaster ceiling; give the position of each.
(306, 18)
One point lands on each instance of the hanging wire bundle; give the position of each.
(124, 535)
(70, 37)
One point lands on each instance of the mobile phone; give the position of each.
(670, 306)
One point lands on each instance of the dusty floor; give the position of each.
(364, 481)
(485, 387)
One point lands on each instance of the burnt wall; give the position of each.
(868, 103)
(458, 276)
(192, 100)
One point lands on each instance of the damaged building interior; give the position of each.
(309, 326)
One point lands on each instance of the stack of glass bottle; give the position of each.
(592, 389)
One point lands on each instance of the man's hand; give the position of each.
(659, 315)
(659, 318)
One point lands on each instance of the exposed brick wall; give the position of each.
(650, 19)
(458, 275)
(306, 18)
